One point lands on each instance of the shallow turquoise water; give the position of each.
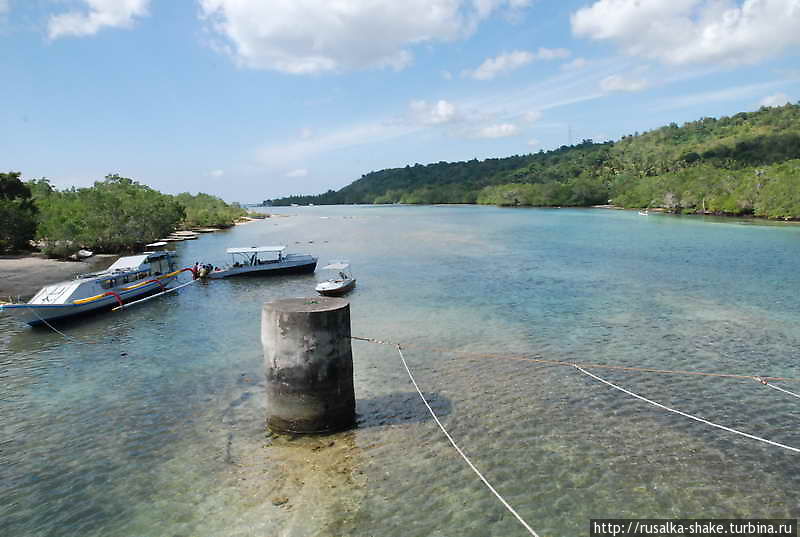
(156, 427)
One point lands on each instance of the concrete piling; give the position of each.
(309, 365)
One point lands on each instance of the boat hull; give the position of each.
(337, 290)
(40, 314)
(268, 269)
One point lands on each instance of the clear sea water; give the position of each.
(151, 422)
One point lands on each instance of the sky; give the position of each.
(256, 99)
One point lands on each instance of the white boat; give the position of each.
(129, 278)
(340, 284)
(644, 213)
(264, 261)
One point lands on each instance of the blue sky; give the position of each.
(255, 99)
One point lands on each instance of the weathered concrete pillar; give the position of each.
(309, 363)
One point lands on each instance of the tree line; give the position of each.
(115, 215)
(745, 164)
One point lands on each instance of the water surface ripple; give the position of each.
(156, 428)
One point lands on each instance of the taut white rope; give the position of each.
(453, 442)
(768, 385)
(164, 292)
(684, 414)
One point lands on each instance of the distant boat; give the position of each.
(341, 283)
(644, 212)
(264, 261)
(128, 278)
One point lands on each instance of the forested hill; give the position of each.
(748, 163)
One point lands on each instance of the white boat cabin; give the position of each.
(126, 270)
(256, 255)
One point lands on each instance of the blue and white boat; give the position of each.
(128, 279)
(264, 261)
(342, 281)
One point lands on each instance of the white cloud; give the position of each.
(693, 31)
(618, 83)
(504, 63)
(312, 36)
(216, 173)
(511, 61)
(501, 130)
(436, 113)
(574, 65)
(102, 13)
(552, 53)
(779, 99)
(728, 94)
(285, 153)
(484, 8)
(300, 172)
(533, 142)
(447, 75)
(3, 7)
(531, 116)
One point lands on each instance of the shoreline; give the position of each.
(22, 275)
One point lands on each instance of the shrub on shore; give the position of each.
(115, 215)
(17, 213)
(205, 210)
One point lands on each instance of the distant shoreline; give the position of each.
(22, 275)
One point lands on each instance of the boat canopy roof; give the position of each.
(155, 244)
(255, 249)
(133, 262)
(128, 262)
(336, 266)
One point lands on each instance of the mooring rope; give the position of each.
(92, 342)
(458, 449)
(768, 385)
(686, 415)
(51, 327)
(590, 365)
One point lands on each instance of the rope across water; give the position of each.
(763, 379)
(686, 415)
(458, 449)
(580, 367)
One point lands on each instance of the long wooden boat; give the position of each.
(128, 279)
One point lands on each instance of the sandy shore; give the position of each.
(23, 275)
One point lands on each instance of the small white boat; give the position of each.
(129, 278)
(644, 213)
(340, 284)
(264, 261)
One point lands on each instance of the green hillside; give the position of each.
(748, 163)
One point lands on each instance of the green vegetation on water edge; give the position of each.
(745, 164)
(114, 215)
